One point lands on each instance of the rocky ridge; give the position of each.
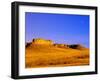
(41, 41)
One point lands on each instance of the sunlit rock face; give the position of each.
(42, 41)
(61, 45)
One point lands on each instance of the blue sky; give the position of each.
(61, 28)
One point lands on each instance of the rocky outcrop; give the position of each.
(61, 45)
(41, 41)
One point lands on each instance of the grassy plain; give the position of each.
(51, 56)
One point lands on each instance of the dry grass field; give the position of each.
(39, 55)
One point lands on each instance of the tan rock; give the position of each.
(41, 41)
(61, 45)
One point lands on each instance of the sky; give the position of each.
(61, 28)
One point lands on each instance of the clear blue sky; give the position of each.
(61, 28)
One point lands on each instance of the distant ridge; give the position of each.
(41, 41)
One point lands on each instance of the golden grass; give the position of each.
(51, 56)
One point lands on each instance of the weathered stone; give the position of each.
(41, 41)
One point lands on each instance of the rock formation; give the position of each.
(61, 45)
(41, 41)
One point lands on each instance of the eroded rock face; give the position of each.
(41, 41)
(61, 45)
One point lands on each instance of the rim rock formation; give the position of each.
(42, 41)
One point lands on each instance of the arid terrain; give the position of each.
(45, 53)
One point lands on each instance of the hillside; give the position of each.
(44, 53)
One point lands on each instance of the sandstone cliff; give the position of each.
(41, 41)
(61, 45)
